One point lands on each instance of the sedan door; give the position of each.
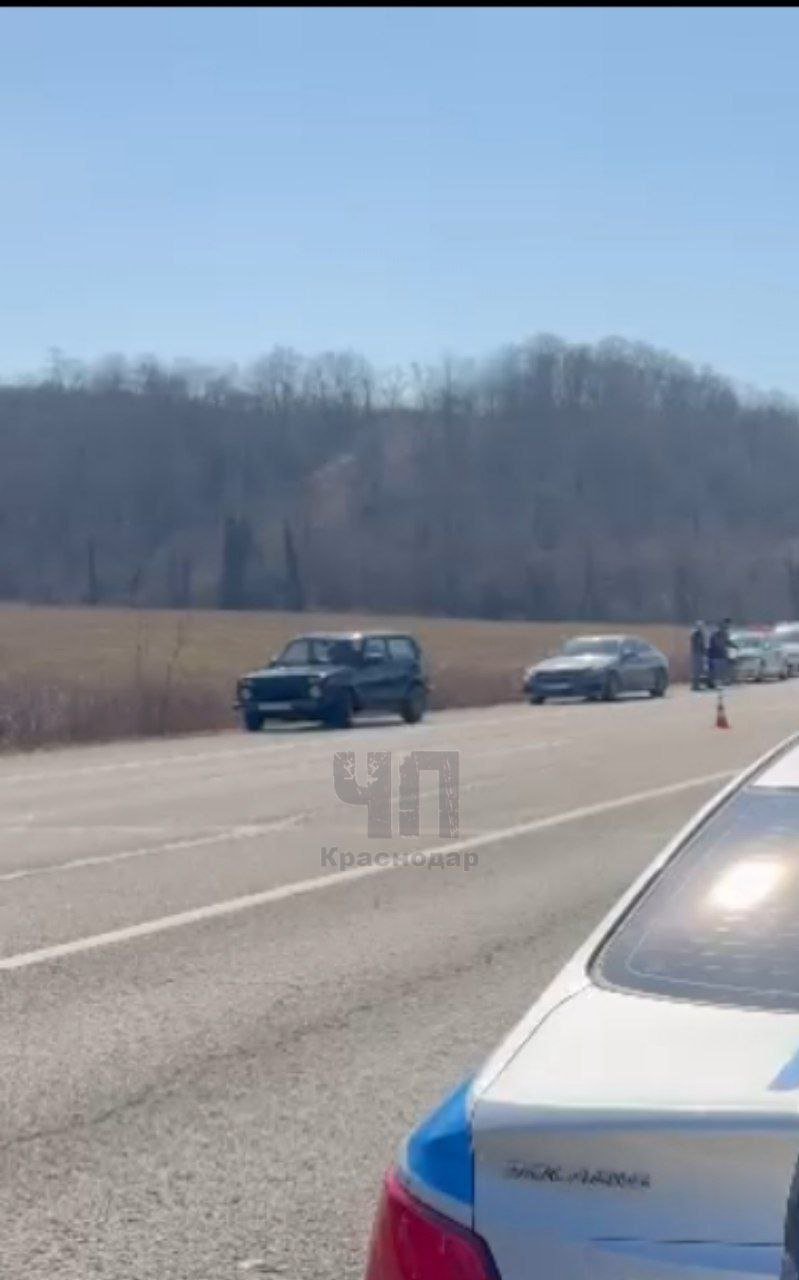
(651, 665)
(634, 667)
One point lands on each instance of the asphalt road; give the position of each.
(212, 1041)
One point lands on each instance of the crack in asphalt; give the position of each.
(192, 1074)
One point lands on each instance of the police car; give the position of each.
(642, 1120)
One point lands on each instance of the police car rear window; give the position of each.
(720, 924)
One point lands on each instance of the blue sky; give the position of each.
(208, 183)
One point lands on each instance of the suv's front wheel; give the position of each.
(414, 706)
(253, 721)
(339, 716)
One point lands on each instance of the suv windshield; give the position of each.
(581, 645)
(319, 651)
(719, 924)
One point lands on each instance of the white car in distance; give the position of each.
(787, 635)
(642, 1120)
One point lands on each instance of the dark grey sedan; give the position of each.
(595, 667)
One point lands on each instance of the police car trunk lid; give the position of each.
(628, 1117)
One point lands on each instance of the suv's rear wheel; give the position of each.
(253, 721)
(414, 706)
(660, 685)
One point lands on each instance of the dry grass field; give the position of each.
(82, 675)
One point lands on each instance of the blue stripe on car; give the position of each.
(439, 1152)
(788, 1077)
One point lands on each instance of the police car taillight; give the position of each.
(412, 1242)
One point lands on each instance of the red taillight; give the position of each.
(412, 1242)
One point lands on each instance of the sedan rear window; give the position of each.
(720, 924)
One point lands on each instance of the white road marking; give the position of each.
(231, 834)
(216, 910)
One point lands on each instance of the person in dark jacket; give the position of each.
(719, 652)
(698, 655)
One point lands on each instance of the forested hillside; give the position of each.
(550, 481)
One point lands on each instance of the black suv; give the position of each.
(331, 676)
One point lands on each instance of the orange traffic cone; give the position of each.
(721, 714)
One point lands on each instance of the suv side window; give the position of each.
(402, 649)
(374, 648)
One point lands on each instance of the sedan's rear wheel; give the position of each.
(660, 685)
(612, 687)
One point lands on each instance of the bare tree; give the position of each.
(295, 590)
(237, 548)
(548, 480)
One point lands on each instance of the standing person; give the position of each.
(714, 647)
(698, 655)
(719, 652)
(716, 656)
(729, 650)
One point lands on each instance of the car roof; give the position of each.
(348, 635)
(604, 636)
(780, 773)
